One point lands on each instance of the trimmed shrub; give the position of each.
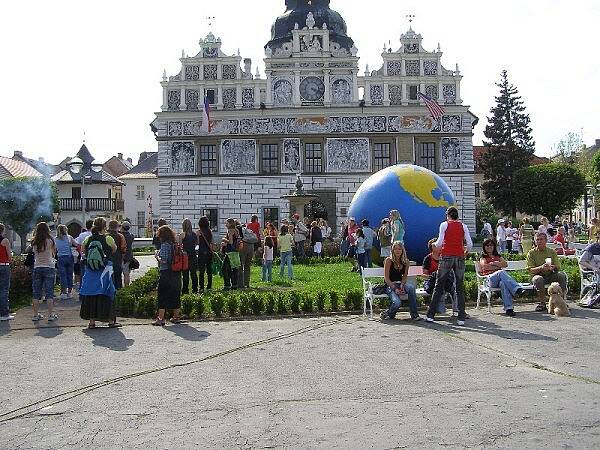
(233, 304)
(295, 299)
(306, 303)
(347, 301)
(187, 304)
(244, 305)
(270, 304)
(356, 298)
(321, 300)
(217, 303)
(199, 306)
(334, 300)
(257, 303)
(282, 304)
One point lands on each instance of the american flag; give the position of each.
(436, 110)
(206, 127)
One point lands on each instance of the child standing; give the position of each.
(361, 254)
(285, 248)
(267, 266)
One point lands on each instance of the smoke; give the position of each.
(26, 201)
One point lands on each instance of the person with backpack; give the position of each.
(97, 292)
(169, 281)
(118, 254)
(189, 240)
(65, 263)
(128, 256)
(231, 259)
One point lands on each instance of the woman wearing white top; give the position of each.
(325, 229)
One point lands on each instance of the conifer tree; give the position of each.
(509, 145)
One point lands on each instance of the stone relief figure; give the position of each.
(451, 154)
(291, 156)
(310, 21)
(282, 92)
(348, 155)
(308, 45)
(183, 155)
(341, 92)
(238, 156)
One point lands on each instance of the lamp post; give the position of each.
(83, 169)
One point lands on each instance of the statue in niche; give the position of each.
(340, 91)
(310, 46)
(282, 92)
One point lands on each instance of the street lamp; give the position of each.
(78, 167)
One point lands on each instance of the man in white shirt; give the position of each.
(501, 236)
(369, 238)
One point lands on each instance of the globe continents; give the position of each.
(420, 195)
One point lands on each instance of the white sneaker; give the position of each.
(64, 296)
(52, 317)
(7, 318)
(37, 317)
(429, 319)
(460, 323)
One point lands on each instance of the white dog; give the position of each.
(556, 304)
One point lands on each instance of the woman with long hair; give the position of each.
(169, 282)
(229, 246)
(285, 248)
(397, 226)
(65, 262)
(44, 273)
(189, 241)
(97, 292)
(491, 264)
(395, 270)
(206, 248)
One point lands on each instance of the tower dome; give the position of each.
(296, 13)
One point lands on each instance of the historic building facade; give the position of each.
(314, 114)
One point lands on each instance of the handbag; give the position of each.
(180, 261)
(234, 259)
(211, 246)
(216, 265)
(134, 264)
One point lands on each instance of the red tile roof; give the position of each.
(479, 150)
(12, 168)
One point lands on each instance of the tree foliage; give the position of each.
(569, 148)
(26, 201)
(509, 147)
(484, 211)
(549, 189)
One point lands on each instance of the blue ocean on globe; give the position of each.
(420, 195)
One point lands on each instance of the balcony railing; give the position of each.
(92, 204)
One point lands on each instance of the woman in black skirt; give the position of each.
(169, 282)
(97, 292)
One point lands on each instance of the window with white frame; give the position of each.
(140, 192)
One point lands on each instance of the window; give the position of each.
(210, 95)
(270, 158)
(477, 190)
(271, 215)
(140, 194)
(413, 91)
(208, 159)
(109, 193)
(381, 156)
(141, 221)
(313, 158)
(213, 217)
(426, 155)
(76, 192)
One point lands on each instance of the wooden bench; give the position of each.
(378, 272)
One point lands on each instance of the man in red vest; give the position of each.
(451, 240)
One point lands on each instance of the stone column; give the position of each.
(367, 92)
(386, 94)
(182, 105)
(238, 96)
(404, 94)
(441, 93)
(327, 82)
(269, 88)
(355, 86)
(165, 104)
(403, 68)
(458, 99)
(296, 96)
(257, 96)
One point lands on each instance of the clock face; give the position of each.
(312, 89)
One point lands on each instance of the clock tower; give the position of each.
(310, 61)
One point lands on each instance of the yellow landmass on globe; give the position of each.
(420, 185)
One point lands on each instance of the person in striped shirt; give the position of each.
(451, 240)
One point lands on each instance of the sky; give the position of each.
(73, 68)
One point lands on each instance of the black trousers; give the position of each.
(204, 262)
(191, 273)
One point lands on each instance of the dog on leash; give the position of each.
(556, 304)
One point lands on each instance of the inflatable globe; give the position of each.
(420, 195)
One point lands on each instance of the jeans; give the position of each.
(286, 259)
(448, 264)
(4, 289)
(396, 302)
(362, 261)
(539, 281)
(43, 280)
(508, 286)
(300, 249)
(501, 246)
(368, 258)
(267, 271)
(192, 273)
(65, 271)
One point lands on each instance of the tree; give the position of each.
(569, 148)
(26, 201)
(484, 211)
(549, 189)
(509, 147)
